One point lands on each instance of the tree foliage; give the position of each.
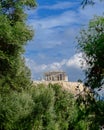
(88, 2)
(40, 108)
(90, 112)
(44, 107)
(14, 33)
(91, 44)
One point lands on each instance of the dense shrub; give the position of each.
(14, 107)
(40, 108)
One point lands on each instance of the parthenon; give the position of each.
(56, 76)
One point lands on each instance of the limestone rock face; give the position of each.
(73, 87)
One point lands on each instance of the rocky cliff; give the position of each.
(73, 87)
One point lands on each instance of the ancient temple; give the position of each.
(56, 76)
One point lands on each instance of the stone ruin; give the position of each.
(55, 76)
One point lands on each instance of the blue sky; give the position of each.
(56, 24)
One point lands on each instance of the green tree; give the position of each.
(15, 109)
(54, 109)
(14, 33)
(91, 44)
(88, 2)
(65, 108)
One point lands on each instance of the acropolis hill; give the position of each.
(60, 77)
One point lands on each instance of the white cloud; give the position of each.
(75, 16)
(38, 69)
(57, 65)
(47, 35)
(58, 32)
(59, 5)
(54, 30)
(63, 19)
(75, 61)
(34, 67)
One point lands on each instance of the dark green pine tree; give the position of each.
(14, 34)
